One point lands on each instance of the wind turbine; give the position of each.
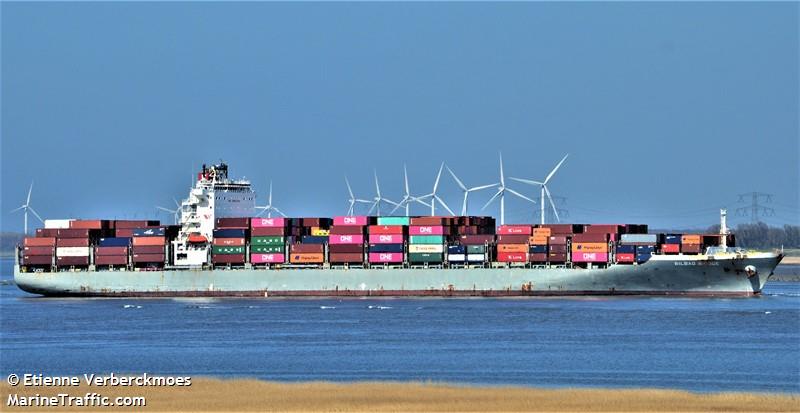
(353, 200)
(26, 207)
(379, 198)
(543, 186)
(407, 198)
(466, 190)
(269, 208)
(174, 212)
(435, 198)
(501, 192)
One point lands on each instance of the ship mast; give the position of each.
(723, 228)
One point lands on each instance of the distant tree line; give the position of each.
(761, 235)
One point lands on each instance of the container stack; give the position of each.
(538, 244)
(124, 228)
(641, 245)
(672, 244)
(38, 251)
(228, 245)
(346, 240)
(268, 240)
(311, 249)
(72, 245)
(512, 243)
(148, 247)
(467, 239)
(691, 244)
(112, 251)
(426, 240)
(386, 241)
(590, 247)
(477, 247)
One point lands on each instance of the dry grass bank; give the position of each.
(210, 395)
(790, 260)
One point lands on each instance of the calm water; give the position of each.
(697, 344)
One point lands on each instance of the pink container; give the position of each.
(589, 257)
(425, 230)
(385, 257)
(267, 222)
(386, 238)
(358, 221)
(345, 239)
(514, 230)
(267, 258)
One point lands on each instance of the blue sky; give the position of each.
(668, 110)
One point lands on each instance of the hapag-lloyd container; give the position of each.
(514, 230)
(306, 258)
(267, 258)
(589, 247)
(356, 221)
(425, 230)
(381, 257)
(589, 257)
(385, 238)
(267, 222)
(434, 248)
(346, 239)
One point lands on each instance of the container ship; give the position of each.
(219, 249)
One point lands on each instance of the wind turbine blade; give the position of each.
(458, 181)
(502, 176)
(405, 178)
(499, 191)
(526, 181)
(478, 188)
(363, 201)
(389, 201)
(520, 195)
(438, 176)
(30, 189)
(176, 202)
(396, 207)
(444, 205)
(377, 185)
(16, 209)
(171, 211)
(270, 193)
(554, 170)
(552, 204)
(419, 200)
(349, 189)
(279, 211)
(36, 215)
(372, 207)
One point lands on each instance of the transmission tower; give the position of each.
(756, 207)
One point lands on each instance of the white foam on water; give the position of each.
(326, 307)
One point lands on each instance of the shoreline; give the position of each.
(209, 394)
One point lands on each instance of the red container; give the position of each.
(385, 257)
(426, 230)
(47, 232)
(512, 239)
(602, 229)
(88, 224)
(427, 221)
(512, 256)
(592, 237)
(37, 260)
(560, 229)
(307, 248)
(346, 221)
(228, 259)
(558, 240)
(386, 238)
(73, 233)
(229, 242)
(38, 250)
(477, 239)
(72, 260)
(626, 257)
(267, 231)
(538, 257)
(124, 232)
(278, 222)
(131, 224)
(98, 251)
(671, 248)
(345, 248)
(560, 248)
(151, 258)
(39, 242)
(111, 259)
(589, 257)
(386, 229)
(557, 256)
(232, 223)
(267, 258)
(148, 249)
(691, 248)
(514, 230)
(141, 241)
(311, 222)
(72, 242)
(347, 230)
(345, 257)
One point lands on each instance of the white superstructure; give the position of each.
(213, 196)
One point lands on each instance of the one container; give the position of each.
(589, 257)
(434, 248)
(267, 258)
(394, 221)
(426, 239)
(385, 257)
(344, 221)
(386, 238)
(425, 230)
(306, 257)
(277, 222)
(346, 239)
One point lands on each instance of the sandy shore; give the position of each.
(210, 395)
(790, 260)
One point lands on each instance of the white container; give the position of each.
(72, 251)
(475, 257)
(456, 257)
(57, 223)
(432, 248)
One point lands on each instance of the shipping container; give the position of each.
(313, 222)
(73, 233)
(307, 248)
(426, 239)
(148, 249)
(512, 239)
(267, 222)
(320, 232)
(306, 257)
(456, 249)
(456, 257)
(123, 233)
(394, 221)
(639, 239)
(387, 248)
(542, 232)
(477, 239)
(72, 242)
(672, 239)
(538, 249)
(640, 258)
(556, 256)
(148, 232)
(39, 242)
(386, 238)
(537, 257)
(38, 250)
(72, 251)
(539, 239)
(346, 248)
(216, 249)
(426, 221)
(228, 233)
(47, 232)
(148, 241)
(114, 242)
(110, 251)
(589, 247)
(557, 240)
(271, 240)
(512, 248)
(228, 242)
(345, 257)
(589, 257)
(602, 229)
(57, 223)
(267, 258)
(268, 231)
(386, 229)
(591, 237)
(131, 224)
(385, 257)
(514, 230)
(425, 257)
(691, 248)
(72, 260)
(228, 259)
(359, 221)
(476, 257)
(626, 249)
(233, 223)
(111, 259)
(558, 248)
(346, 239)
(434, 248)
(308, 239)
(88, 224)
(625, 257)
(512, 256)
(347, 230)
(476, 249)
(37, 260)
(692, 239)
(563, 229)
(425, 230)
(671, 248)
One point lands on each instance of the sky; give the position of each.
(668, 111)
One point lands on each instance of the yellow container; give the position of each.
(319, 232)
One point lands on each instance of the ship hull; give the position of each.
(674, 277)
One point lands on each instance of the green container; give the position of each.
(271, 240)
(426, 239)
(393, 220)
(266, 249)
(476, 249)
(425, 257)
(227, 250)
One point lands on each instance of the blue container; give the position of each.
(385, 247)
(672, 239)
(626, 249)
(114, 242)
(148, 232)
(538, 249)
(228, 233)
(645, 249)
(311, 239)
(642, 257)
(456, 249)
